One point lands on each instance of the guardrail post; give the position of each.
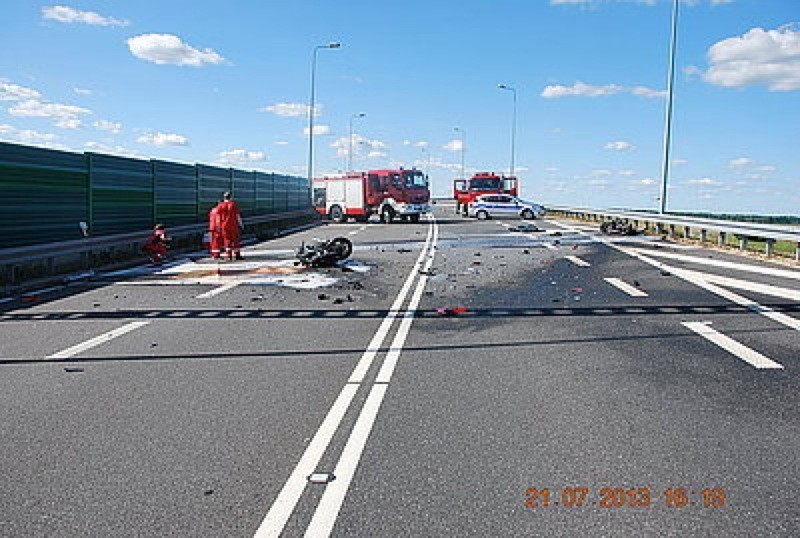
(742, 243)
(722, 238)
(687, 232)
(797, 253)
(672, 230)
(768, 244)
(703, 236)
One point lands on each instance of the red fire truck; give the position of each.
(388, 193)
(465, 191)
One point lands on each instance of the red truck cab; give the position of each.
(465, 191)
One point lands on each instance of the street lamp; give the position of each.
(331, 45)
(350, 149)
(513, 122)
(463, 148)
(668, 120)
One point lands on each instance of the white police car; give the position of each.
(503, 205)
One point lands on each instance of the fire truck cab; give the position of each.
(388, 193)
(466, 190)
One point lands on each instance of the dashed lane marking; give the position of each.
(750, 356)
(578, 261)
(624, 286)
(218, 290)
(97, 340)
(770, 271)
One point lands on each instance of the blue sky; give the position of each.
(228, 83)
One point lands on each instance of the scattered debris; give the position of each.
(30, 298)
(321, 478)
(556, 300)
(208, 492)
(665, 273)
(325, 253)
(80, 276)
(477, 254)
(577, 290)
(525, 228)
(322, 296)
(154, 344)
(636, 283)
(338, 300)
(557, 234)
(74, 370)
(455, 311)
(526, 251)
(476, 263)
(403, 250)
(618, 227)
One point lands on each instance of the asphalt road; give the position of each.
(197, 399)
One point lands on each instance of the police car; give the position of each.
(503, 205)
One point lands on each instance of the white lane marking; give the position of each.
(284, 504)
(578, 261)
(551, 246)
(754, 358)
(387, 369)
(624, 286)
(747, 285)
(770, 271)
(331, 502)
(97, 340)
(218, 290)
(325, 515)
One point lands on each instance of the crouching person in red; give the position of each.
(156, 244)
(230, 221)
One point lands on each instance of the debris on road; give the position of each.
(525, 228)
(323, 297)
(321, 478)
(618, 227)
(74, 370)
(454, 311)
(325, 253)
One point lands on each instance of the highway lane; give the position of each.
(194, 423)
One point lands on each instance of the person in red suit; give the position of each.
(230, 220)
(156, 244)
(214, 232)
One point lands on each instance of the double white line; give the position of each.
(328, 508)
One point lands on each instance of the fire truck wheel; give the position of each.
(413, 218)
(387, 214)
(336, 213)
(482, 215)
(528, 214)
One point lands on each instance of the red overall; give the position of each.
(156, 246)
(230, 220)
(215, 232)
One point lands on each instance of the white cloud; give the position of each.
(99, 147)
(601, 173)
(291, 110)
(766, 168)
(551, 169)
(241, 157)
(64, 116)
(71, 15)
(706, 181)
(627, 173)
(454, 145)
(281, 143)
(110, 126)
(679, 162)
(82, 91)
(598, 182)
(740, 162)
(415, 144)
(319, 130)
(169, 49)
(581, 89)
(163, 139)
(759, 57)
(647, 181)
(26, 136)
(620, 145)
(14, 92)
(362, 147)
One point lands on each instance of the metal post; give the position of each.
(331, 45)
(463, 148)
(668, 119)
(513, 124)
(350, 149)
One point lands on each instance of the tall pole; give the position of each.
(331, 45)
(513, 123)
(668, 120)
(463, 148)
(350, 149)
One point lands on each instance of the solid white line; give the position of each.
(730, 345)
(97, 340)
(551, 246)
(727, 265)
(747, 285)
(624, 286)
(578, 261)
(284, 504)
(331, 502)
(218, 290)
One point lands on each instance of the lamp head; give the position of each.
(334, 45)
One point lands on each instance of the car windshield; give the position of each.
(415, 179)
(484, 184)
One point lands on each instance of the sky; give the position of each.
(228, 83)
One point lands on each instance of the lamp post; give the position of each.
(331, 45)
(463, 148)
(668, 120)
(513, 122)
(350, 149)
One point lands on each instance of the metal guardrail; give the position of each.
(743, 231)
(49, 252)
